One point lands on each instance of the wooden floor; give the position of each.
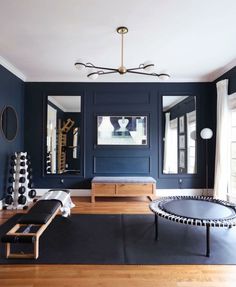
(115, 276)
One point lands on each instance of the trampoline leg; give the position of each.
(207, 241)
(156, 227)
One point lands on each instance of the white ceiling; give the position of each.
(192, 40)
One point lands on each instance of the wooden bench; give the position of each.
(123, 186)
(30, 227)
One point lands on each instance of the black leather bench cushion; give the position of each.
(41, 212)
(45, 206)
(35, 218)
(18, 239)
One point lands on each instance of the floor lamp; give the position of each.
(206, 134)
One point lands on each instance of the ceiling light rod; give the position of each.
(97, 70)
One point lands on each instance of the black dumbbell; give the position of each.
(22, 157)
(11, 179)
(13, 157)
(28, 162)
(12, 171)
(29, 169)
(22, 199)
(28, 156)
(29, 176)
(22, 179)
(10, 189)
(9, 199)
(22, 163)
(32, 193)
(22, 171)
(21, 189)
(30, 185)
(12, 163)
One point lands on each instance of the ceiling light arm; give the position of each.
(100, 73)
(90, 65)
(142, 67)
(148, 74)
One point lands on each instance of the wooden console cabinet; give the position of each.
(123, 186)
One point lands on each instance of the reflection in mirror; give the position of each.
(9, 123)
(63, 134)
(179, 134)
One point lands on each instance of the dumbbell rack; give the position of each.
(19, 192)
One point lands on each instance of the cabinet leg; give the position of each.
(93, 199)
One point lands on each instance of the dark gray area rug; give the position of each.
(126, 239)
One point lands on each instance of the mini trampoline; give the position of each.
(195, 210)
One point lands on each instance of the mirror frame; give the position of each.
(44, 137)
(125, 143)
(161, 143)
(17, 123)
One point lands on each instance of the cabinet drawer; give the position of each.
(135, 189)
(103, 189)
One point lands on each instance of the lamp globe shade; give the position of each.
(79, 65)
(148, 66)
(163, 77)
(93, 75)
(206, 134)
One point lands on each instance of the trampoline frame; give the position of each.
(157, 207)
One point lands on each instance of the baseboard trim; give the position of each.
(159, 192)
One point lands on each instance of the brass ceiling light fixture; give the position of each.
(142, 69)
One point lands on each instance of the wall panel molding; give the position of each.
(121, 165)
(121, 98)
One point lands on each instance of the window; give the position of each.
(232, 183)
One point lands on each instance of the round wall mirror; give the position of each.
(9, 123)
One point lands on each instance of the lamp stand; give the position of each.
(207, 167)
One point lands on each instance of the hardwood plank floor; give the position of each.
(115, 276)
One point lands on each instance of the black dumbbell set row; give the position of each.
(19, 191)
(48, 163)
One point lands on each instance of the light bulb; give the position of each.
(93, 75)
(79, 65)
(164, 77)
(206, 134)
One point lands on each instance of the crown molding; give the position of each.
(12, 69)
(218, 73)
(117, 80)
(210, 78)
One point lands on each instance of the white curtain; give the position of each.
(167, 144)
(222, 158)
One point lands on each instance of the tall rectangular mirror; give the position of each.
(63, 135)
(179, 134)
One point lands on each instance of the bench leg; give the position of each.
(93, 198)
(8, 249)
(36, 248)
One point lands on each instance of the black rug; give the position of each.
(126, 239)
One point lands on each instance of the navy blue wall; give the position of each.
(11, 94)
(118, 99)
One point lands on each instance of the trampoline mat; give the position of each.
(198, 209)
